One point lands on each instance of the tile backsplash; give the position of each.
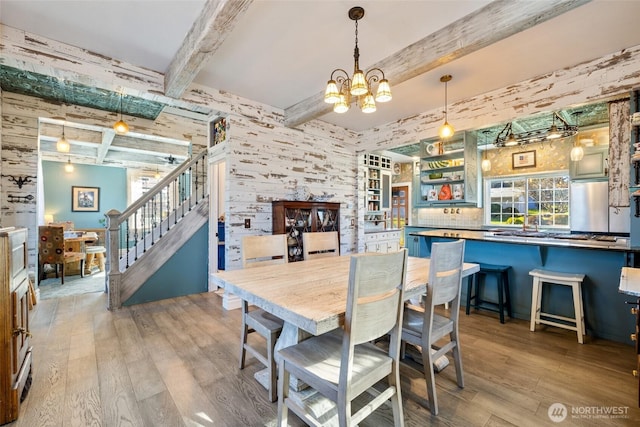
(448, 217)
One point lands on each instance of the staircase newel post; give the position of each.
(112, 285)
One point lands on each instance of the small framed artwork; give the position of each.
(525, 159)
(85, 199)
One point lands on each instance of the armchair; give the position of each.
(51, 250)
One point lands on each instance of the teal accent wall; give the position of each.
(185, 273)
(57, 191)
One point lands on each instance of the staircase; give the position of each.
(147, 234)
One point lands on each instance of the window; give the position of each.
(544, 200)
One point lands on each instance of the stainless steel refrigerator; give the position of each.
(590, 212)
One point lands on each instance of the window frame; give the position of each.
(539, 218)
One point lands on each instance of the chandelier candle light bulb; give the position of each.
(341, 87)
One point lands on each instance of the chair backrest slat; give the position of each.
(263, 250)
(320, 244)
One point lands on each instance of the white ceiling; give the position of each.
(282, 52)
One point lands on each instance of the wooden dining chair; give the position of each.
(423, 327)
(259, 251)
(320, 244)
(52, 251)
(343, 364)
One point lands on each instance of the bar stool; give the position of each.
(501, 273)
(555, 278)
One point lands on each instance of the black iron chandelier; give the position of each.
(341, 87)
(508, 138)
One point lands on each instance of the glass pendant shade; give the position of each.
(384, 91)
(368, 105)
(358, 84)
(63, 145)
(331, 94)
(446, 130)
(577, 153)
(553, 132)
(511, 141)
(121, 127)
(341, 106)
(68, 167)
(486, 165)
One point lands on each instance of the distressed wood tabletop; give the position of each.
(312, 295)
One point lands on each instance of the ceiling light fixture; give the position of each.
(157, 175)
(340, 87)
(486, 163)
(120, 126)
(507, 137)
(68, 167)
(577, 152)
(63, 145)
(446, 130)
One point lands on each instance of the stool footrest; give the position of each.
(558, 325)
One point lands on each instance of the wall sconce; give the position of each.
(120, 126)
(446, 130)
(63, 145)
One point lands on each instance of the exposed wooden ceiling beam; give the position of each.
(217, 20)
(494, 22)
(107, 140)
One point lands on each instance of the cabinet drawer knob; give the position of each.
(634, 310)
(633, 337)
(635, 373)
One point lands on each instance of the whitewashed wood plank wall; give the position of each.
(265, 158)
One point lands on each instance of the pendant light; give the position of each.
(446, 130)
(486, 163)
(120, 126)
(63, 145)
(157, 175)
(577, 152)
(68, 167)
(341, 87)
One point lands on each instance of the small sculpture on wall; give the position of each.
(20, 181)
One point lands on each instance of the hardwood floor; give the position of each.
(175, 363)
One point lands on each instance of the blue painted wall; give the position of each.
(185, 273)
(57, 191)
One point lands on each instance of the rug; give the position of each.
(73, 285)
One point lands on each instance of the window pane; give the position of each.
(543, 199)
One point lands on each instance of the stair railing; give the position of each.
(145, 221)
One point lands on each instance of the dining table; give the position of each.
(311, 296)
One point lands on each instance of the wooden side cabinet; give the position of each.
(15, 354)
(296, 218)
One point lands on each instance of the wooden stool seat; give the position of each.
(556, 278)
(501, 273)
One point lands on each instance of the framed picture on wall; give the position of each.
(85, 199)
(525, 159)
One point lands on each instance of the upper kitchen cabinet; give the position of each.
(448, 172)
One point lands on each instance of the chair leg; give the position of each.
(62, 268)
(500, 285)
(273, 373)
(429, 376)
(577, 306)
(283, 393)
(536, 296)
(507, 293)
(457, 359)
(470, 281)
(244, 334)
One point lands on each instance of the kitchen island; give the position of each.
(606, 314)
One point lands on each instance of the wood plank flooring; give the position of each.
(175, 363)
